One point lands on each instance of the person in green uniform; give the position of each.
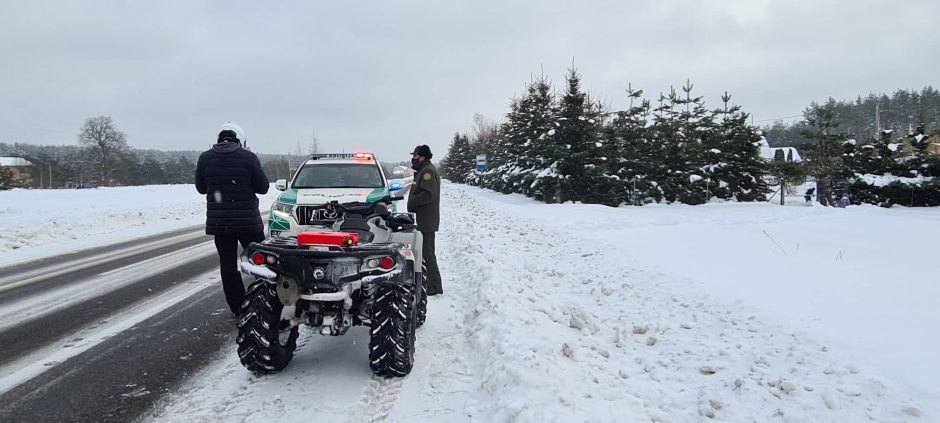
(424, 200)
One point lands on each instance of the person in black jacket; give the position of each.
(230, 176)
(808, 197)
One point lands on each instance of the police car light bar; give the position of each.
(367, 156)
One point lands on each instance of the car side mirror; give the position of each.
(280, 184)
(395, 185)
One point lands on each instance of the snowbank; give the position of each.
(678, 313)
(884, 180)
(42, 222)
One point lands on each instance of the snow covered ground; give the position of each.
(732, 312)
(42, 222)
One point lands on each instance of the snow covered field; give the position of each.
(43, 222)
(732, 312)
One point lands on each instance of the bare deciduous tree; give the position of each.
(484, 133)
(105, 143)
(314, 146)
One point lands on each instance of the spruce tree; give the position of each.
(583, 168)
(697, 140)
(631, 160)
(152, 172)
(868, 157)
(459, 162)
(739, 170)
(825, 154)
(917, 164)
(682, 129)
(536, 150)
(502, 163)
(663, 133)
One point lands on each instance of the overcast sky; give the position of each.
(385, 76)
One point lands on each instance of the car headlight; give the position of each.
(283, 207)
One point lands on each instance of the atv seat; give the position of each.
(356, 223)
(402, 219)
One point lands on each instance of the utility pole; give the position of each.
(878, 120)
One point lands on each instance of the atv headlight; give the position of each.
(283, 207)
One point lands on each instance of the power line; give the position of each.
(779, 118)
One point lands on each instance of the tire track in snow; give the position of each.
(45, 360)
(376, 401)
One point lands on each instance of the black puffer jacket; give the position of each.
(230, 176)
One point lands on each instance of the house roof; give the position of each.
(767, 152)
(14, 161)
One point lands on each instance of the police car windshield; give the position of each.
(339, 175)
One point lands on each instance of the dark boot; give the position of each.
(435, 286)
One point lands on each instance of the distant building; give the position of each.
(768, 153)
(21, 168)
(403, 172)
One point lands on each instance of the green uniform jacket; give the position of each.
(425, 198)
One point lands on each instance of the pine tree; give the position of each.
(583, 170)
(459, 162)
(696, 140)
(151, 172)
(825, 155)
(444, 165)
(507, 151)
(666, 151)
(682, 128)
(630, 159)
(737, 167)
(917, 163)
(874, 157)
(534, 146)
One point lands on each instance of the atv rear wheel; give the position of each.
(266, 343)
(392, 343)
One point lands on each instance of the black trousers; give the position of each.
(227, 246)
(430, 263)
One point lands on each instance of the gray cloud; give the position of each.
(388, 76)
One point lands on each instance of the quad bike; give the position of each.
(361, 269)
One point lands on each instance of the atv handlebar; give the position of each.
(364, 208)
(344, 207)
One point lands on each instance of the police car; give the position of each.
(341, 177)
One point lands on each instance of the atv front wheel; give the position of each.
(266, 343)
(392, 343)
(423, 298)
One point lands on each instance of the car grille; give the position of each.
(307, 213)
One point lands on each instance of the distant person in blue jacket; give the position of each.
(231, 176)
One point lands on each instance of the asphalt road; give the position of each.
(100, 335)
